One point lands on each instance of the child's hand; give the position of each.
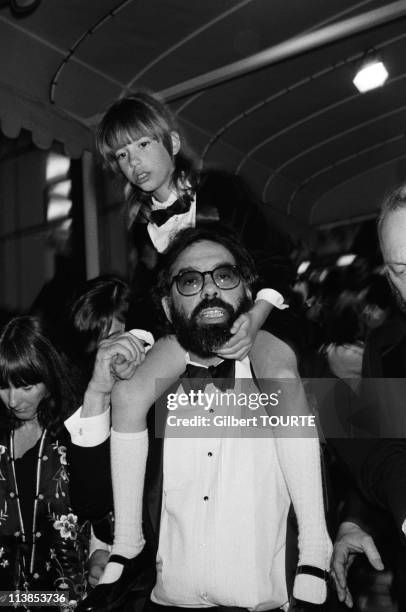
(244, 332)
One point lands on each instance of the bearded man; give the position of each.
(215, 506)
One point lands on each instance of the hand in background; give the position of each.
(351, 540)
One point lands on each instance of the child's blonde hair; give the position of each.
(130, 119)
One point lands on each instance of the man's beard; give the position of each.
(204, 339)
(400, 301)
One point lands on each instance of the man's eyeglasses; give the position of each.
(191, 282)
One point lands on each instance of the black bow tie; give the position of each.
(221, 376)
(180, 206)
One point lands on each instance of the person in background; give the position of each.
(379, 463)
(344, 338)
(43, 543)
(99, 310)
(100, 352)
(378, 302)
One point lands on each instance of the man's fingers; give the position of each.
(341, 562)
(348, 599)
(125, 372)
(124, 349)
(123, 341)
(351, 540)
(341, 591)
(372, 554)
(117, 357)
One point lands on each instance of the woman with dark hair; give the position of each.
(43, 546)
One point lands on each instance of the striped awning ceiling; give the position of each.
(261, 87)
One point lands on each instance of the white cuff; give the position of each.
(89, 431)
(273, 297)
(145, 336)
(404, 527)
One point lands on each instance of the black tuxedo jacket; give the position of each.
(383, 475)
(378, 460)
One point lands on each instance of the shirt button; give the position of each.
(12, 494)
(210, 454)
(36, 576)
(205, 498)
(40, 496)
(38, 534)
(44, 458)
(17, 534)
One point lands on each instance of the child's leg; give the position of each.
(131, 401)
(299, 461)
(128, 459)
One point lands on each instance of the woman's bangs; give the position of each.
(18, 372)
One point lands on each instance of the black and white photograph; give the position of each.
(203, 305)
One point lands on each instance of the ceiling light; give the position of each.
(371, 74)
(303, 267)
(345, 260)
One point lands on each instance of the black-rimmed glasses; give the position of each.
(191, 282)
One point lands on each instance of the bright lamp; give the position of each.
(371, 74)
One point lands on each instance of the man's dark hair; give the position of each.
(212, 232)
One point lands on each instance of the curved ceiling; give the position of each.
(296, 128)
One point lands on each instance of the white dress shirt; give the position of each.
(223, 522)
